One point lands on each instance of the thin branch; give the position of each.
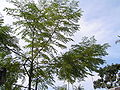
(21, 86)
(25, 67)
(15, 52)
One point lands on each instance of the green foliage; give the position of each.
(6, 39)
(109, 77)
(13, 70)
(43, 26)
(51, 24)
(7, 45)
(82, 59)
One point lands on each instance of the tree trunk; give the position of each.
(30, 79)
(36, 84)
(30, 76)
(31, 66)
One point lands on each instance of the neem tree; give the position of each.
(44, 27)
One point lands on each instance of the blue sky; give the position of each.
(101, 18)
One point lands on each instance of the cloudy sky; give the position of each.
(101, 18)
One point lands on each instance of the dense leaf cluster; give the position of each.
(109, 77)
(81, 60)
(8, 43)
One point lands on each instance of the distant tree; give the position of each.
(109, 77)
(64, 87)
(80, 60)
(118, 41)
(80, 87)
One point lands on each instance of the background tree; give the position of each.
(118, 41)
(42, 27)
(63, 87)
(109, 77)
(8, 44)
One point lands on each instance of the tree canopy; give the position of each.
(81, 60)
(44, 27)
(109, 77)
